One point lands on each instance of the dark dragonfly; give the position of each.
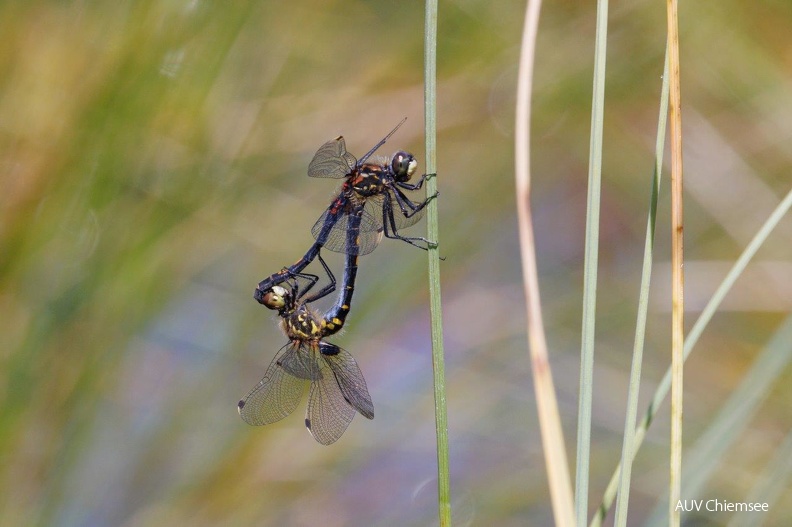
(372, 198)
(337, 386)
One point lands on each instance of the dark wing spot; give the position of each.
(241, 404)
(308, 424)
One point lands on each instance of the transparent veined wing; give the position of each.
(302, 364)
(349, 378)
(377, 207)
(332, 160)
(328, 414)
(331, 231)
(277, 394)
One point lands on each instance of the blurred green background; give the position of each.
(153, 164)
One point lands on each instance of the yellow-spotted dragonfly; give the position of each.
(337, 387)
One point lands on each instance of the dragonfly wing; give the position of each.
(349, 378)
(302, 365)
(370, 231)
(378, 208)
(278, 393)
(413, 215)
(332, 160)
(331, 230)
(328, 414)
(326, 223)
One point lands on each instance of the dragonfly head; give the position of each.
(277, 298)
(403, 165)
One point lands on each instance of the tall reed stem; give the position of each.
(547, 406)
(590, 266)
(677, 272)
(435, 305)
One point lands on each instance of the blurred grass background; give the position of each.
(152, 170)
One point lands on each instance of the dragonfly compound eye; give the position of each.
(275, 298)
(403, 165)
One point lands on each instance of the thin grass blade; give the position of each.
(546, 403)
(623, 497)
(590, 265)
(435, 305)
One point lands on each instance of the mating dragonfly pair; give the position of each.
(370, 203)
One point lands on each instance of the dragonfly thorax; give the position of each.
(368, 181)
(303, 324)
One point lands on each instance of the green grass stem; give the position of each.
(435, 306)
(623, 497)
(590, 266)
